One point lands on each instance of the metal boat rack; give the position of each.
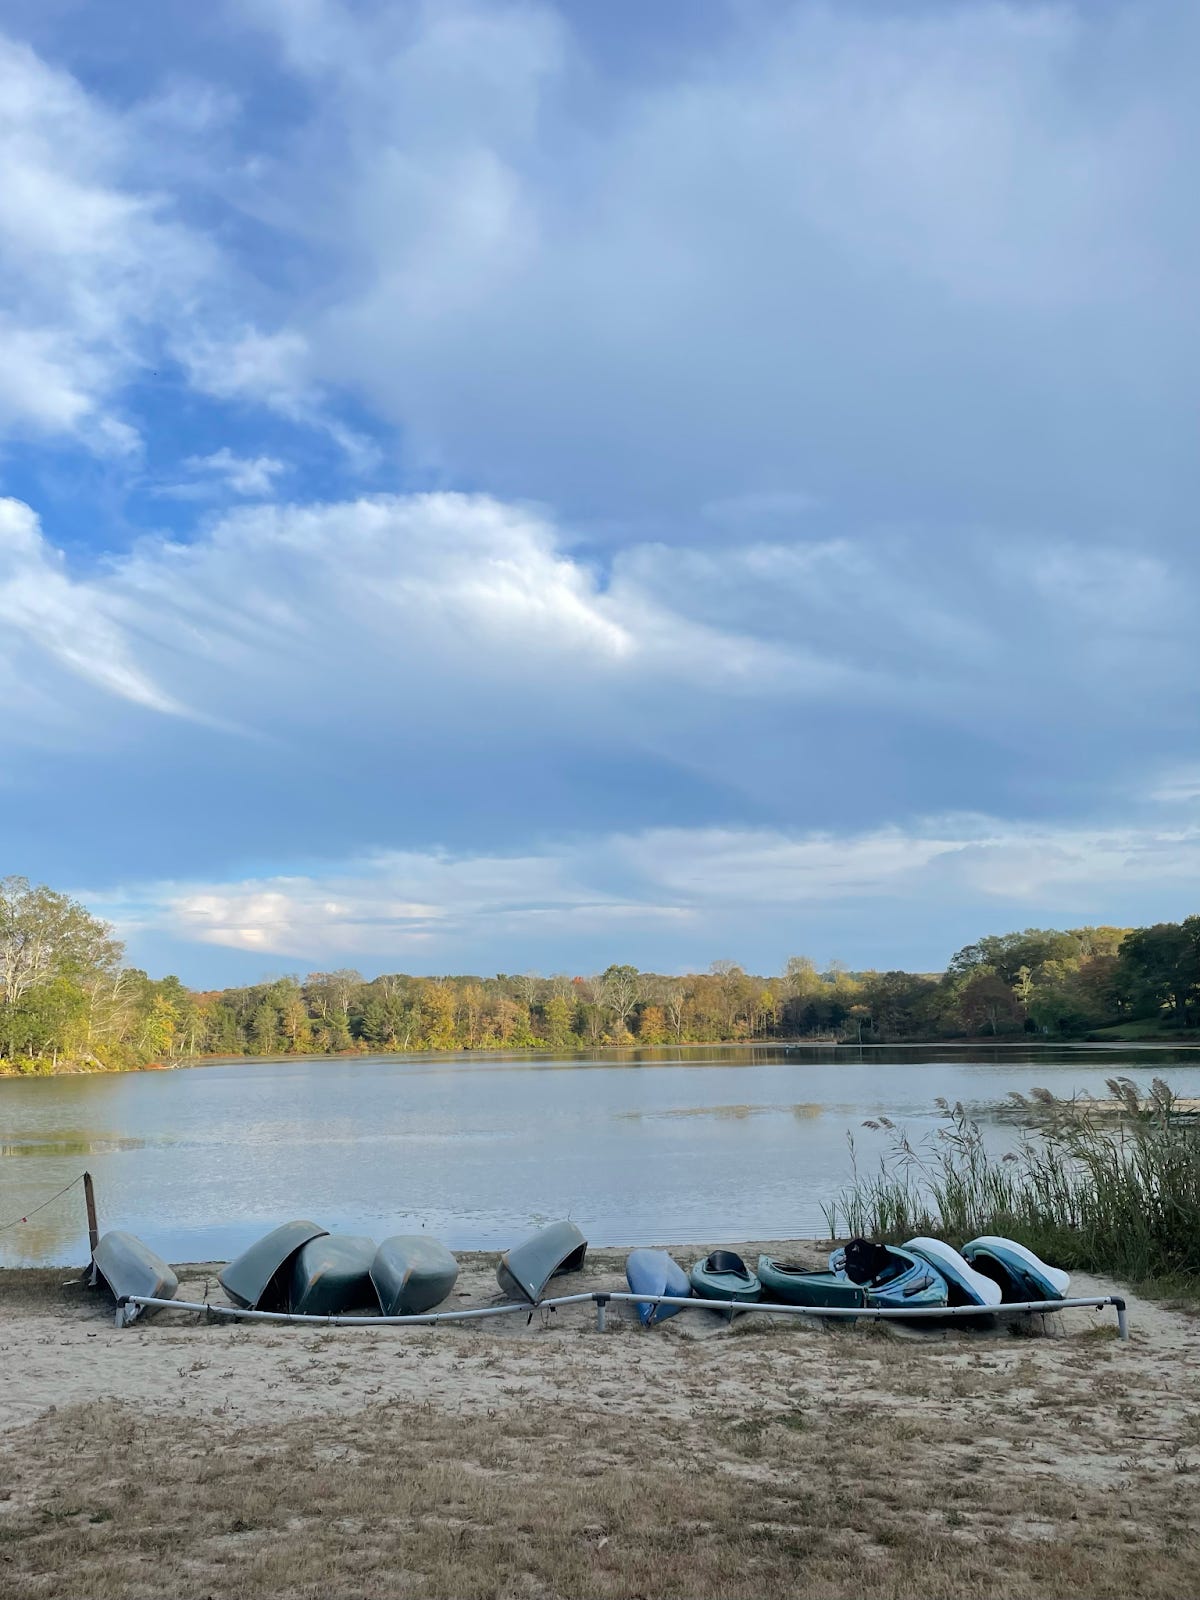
(131, 1305)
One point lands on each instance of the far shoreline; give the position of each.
(590, 1052)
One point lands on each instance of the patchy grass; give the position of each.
(1145, 1028)
(561, 1501)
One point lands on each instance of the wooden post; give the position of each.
(89, 1195)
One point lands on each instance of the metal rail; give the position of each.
(147, 1302)
(873, 1313)
(601, 1298)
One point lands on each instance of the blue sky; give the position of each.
(500, 486)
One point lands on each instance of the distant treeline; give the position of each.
(67, 999)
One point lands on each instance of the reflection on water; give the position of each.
(639, 1146)
(75, 1145)
(728, 1113)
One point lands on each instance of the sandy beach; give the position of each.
(539, 1457)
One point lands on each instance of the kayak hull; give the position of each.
(527, 1268)
(331, 1274)
(259, 1278)
(129, 1266)
(793, 1286)
(655, 1272)
(1019, 1273)
(412, 1273)
(967, 1286)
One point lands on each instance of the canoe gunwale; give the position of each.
(274, 1285)
(528, 1267)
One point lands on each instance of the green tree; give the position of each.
(1160, 967)
(52, 947)
(557, 1013)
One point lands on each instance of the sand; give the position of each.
(1047, 1438)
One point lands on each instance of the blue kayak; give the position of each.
(1020, 1274)
(968, 1287)
(894, 1279)
(655, 1272)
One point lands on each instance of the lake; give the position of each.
(638, 1146)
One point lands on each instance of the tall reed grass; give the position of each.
(1112, 1189)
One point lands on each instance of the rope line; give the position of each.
(17, 1221)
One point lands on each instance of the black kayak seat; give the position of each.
(872, 1263)
(727, 1261)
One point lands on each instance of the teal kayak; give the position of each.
(790, 1285)
(1019, 1273)
(723, 1275)
(967, 1286)
(894, 1279)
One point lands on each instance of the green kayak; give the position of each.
(723, 1275)
(790, 1285)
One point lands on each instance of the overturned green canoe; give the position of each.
(789, 1285)
(527, 1268)
(332, 1274)
(412, 1273)
(259, 1278)
(723, 1275)
(128, 1266)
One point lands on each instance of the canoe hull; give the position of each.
(527, 1268)
(655, 1272)
(412, 1273)
(331, 1274)
(129, 1266)
(1020, 1274)
(792, 1287)
(259, 1278)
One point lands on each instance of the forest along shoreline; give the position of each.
(70, 1003)
(643, 1055)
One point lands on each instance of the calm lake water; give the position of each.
(646, 1146)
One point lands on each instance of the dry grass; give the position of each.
(797, 1500)
(552, 1461)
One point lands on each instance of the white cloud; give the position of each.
(45, 613)
(286, 618)
(827, 243)
(1177, 787)
(91, 268)
(247, 475)
(435, 907)
(295, 621)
